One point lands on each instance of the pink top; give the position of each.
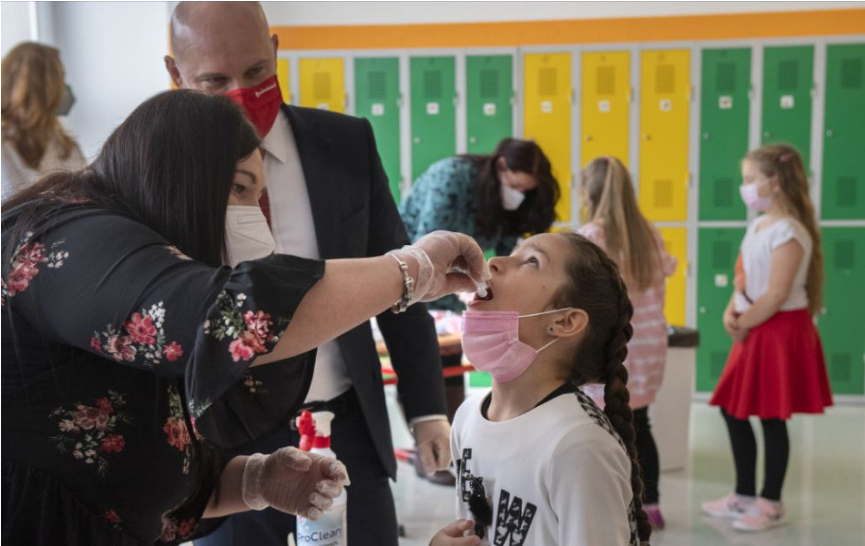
(647, 350)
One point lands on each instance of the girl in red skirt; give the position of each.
(776, 366)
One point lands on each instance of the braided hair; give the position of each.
(597, 288)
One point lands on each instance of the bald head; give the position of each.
(220, 46)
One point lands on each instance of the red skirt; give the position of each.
(779, 370)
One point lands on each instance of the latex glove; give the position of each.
(452, 535)
(293, 481)
(433, 444)
(447, 262)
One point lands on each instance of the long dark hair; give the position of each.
(597, 288)
(537, 212)
(170, 166)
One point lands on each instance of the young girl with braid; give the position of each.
(776, 366)
(538, 463)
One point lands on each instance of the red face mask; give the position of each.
(260, 103)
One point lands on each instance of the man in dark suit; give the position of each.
(328, 197)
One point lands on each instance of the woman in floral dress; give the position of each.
(133, 360)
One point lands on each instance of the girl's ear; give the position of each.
(572, 323)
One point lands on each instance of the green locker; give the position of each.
(717, 249)
(843, 192)
(724, 113)
(787, 84)
(376, 83)
(842, 323)
(433, 112)
(489, 81)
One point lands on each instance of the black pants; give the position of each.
(647, 452)
(371, 510)
(745, 455)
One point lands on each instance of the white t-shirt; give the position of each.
(556, 475)
(757, 248)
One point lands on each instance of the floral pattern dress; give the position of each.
(446, 196)
(126, 378)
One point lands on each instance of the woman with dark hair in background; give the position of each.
(34, 94)
(497, 199)
(135, 363)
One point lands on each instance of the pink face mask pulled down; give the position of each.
(491, 342)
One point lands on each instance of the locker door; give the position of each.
(282, 75)
(724, 113)
(787, 85)
(716, 262)
(665, 91)
(547, 116)
(843, 160)
(322, 84)
(606, 85)
(376, 84)
(433, 113)
(490, 118)
(842, 324)
(676, 244)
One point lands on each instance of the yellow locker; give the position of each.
(606, 85)
(322, 84)
(676, 244)
(665, 89)
(547, 108)
(282, 75)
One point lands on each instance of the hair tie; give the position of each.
(785, 157)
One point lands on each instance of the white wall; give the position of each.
(370, 13)
(15, 25)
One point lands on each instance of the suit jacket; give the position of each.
(355, 217)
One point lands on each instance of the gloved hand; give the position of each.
(447, 262)
(293, 481)
(433, 444)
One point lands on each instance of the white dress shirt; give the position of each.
(294, 233)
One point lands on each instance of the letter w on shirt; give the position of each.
(511, 521)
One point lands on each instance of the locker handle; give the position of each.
(456, 99)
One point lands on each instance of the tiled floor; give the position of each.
(824, 492)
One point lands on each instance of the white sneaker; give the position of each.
(732, 506)
(762, 515)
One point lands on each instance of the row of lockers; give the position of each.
(611, 106)
(643, 116)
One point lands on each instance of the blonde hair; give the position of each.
(33, 86)
(784, 163)
(630, 239)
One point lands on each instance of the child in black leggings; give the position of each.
(776, 366)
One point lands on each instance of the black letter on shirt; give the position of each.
(512, 521)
